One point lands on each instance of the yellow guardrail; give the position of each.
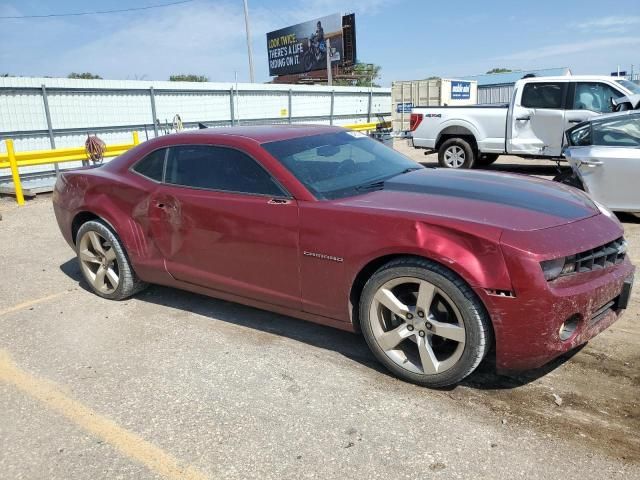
(364, 127)
(14, 160)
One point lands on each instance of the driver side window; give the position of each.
(594, 96)
(218, 168)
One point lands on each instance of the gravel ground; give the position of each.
(175, 385)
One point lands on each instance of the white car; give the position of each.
(604, 154)
(532, 125)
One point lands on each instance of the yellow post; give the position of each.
(13, 164)
(136, 139)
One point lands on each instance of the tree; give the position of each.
(500, 70)
(189, 77)
(364, 75)
(84, 76)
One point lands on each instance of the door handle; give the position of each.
(279, 201)
(524, 119)
(591, 163)
(576, 120)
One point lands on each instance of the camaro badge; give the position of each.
(323, 256)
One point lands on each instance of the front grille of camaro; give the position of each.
(611, 253)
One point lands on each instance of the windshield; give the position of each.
(632, 87)
(342, 164)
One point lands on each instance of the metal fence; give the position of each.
(41, 113)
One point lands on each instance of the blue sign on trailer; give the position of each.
(460, 90)
(404, 107)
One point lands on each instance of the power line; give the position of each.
(99, 12)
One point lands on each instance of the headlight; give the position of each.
(553, 269)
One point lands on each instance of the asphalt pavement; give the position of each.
(175, 385)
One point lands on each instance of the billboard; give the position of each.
(302, 48)
(460, 90)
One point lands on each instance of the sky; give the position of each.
(409, 39)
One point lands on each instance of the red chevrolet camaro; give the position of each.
(435, 267)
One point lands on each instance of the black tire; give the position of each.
(486, 159)
(307, 61)
(128, 282)
(568, 177)
(477, 325)
(453, 144)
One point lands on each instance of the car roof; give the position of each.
(571, 78)
(606, 116)
(261, 133)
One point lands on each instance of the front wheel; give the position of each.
(104, 263)
(308, 61)
(456, 153)
(424, 323)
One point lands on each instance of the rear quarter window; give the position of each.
(152, 166)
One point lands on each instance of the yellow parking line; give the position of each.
(30, 303)
(129, 443)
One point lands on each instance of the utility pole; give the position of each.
(328, 55)
(249, 50)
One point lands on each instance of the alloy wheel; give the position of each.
(454, 156)
(98, 262)
(417, 326)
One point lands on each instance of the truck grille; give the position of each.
(611, 253)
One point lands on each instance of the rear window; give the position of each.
(543, 95)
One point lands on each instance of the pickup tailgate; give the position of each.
(487, 124)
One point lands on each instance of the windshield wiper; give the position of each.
(412, 169)
(371, 186)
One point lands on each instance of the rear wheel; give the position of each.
(456, 153)
(104, 263)
(424, 323)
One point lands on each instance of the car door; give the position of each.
(223, 222)
(536, 119)
(586, 100)
(608, 162)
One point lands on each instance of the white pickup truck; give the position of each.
(532, 125)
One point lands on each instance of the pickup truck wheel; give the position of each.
(424, 323)
(456, 153)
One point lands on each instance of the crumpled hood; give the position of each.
(507, 201)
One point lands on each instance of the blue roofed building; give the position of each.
(496, 88)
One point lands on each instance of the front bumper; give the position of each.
(528, 324)
(527, 327)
